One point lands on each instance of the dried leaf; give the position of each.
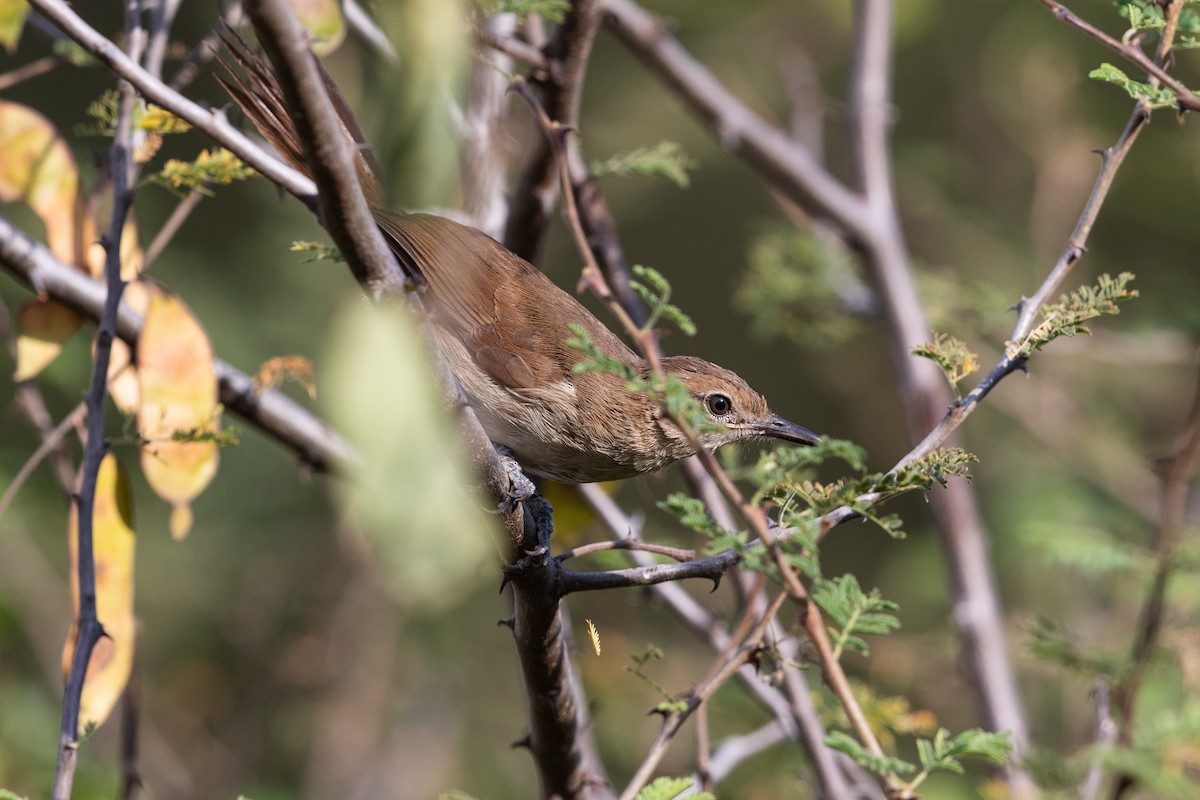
(275, 370)
(178, 393)
(113, 545)
(42, 327)
(39, 170)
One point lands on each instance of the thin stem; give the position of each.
(88, 627)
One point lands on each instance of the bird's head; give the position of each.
(735, 411)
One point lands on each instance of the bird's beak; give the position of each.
(779, 428)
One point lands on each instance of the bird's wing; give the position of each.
(495, 302)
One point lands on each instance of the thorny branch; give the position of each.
(88, 629)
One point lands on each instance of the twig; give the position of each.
(797, 719)
(1177, 473)
(359, 21)
(1188, 101)
(88, 627)
(183, 209)
(519, 50)
(211, 123)
(677, 553)
(26, 71)
(1107, 734)
(712, 568)
(561, 91)
(673, 720)
(50, 443)
(160, 36)
(482, 153)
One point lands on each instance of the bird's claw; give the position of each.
(520, 488)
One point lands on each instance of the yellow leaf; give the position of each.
(42, 326)
(113, 546)
(323, 19)
(178, 396)
(39, 170)
(12, 20)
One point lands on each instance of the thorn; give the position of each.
(525, 741)
(716, 584)
(508, 622)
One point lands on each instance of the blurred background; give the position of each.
(275, 660)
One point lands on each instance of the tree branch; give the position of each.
(87, 628)
(712, 568)
(273, 412)
(1188, 101)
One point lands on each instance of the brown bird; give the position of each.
(503, 327)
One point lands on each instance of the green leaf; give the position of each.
(879, 765)
(319, 251)
(952, 355)
(216, 167)
(549, 10)
(667, 788)
(802, 287)
(1068, 316)
(854, 612)
(1088, 549)
(691, 512)
(1155, 97)
(656, 291)
(1051, 643)
(663, 160)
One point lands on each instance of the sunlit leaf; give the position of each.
(113, 548)
(42, 326)
(39, 170)
(178, 393)
(429, 535)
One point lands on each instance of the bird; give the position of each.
(503, 328)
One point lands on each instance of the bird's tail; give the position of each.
(253, 86)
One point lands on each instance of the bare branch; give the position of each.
(712, 568)
(88, 628)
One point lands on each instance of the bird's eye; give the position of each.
(718, 404)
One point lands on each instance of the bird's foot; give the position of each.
(520, 488)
